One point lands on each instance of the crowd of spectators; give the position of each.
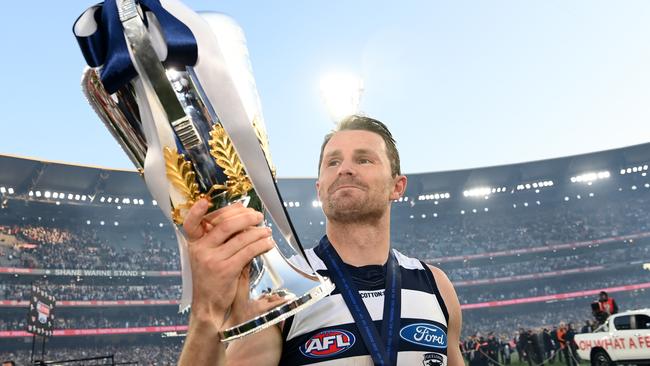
(148, 355)
(593, 257)
(514, 290)
(449, 235)
(44, 235)
(525, 228)
(86, 249)
(75, 292)
(126, 320)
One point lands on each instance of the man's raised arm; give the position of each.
(221, 244)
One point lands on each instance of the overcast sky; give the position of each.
(461, 83)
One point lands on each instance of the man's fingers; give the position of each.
(223, 212)
(192, 222)
(241, 240)
(230, 226)
(246, 254)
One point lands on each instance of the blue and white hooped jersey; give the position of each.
(325, 333)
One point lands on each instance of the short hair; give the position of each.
(363, 123)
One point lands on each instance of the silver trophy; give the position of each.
(194, 131)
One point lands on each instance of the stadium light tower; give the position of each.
(341, 93)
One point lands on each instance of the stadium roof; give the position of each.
(25, 174)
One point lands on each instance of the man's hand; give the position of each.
(221, 244)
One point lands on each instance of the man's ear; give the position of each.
(399, 187)
(318, 190)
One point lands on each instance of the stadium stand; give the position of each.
(526, 245)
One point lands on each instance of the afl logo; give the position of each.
(423, 334)
(328, 343)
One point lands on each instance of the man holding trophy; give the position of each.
(359, 177)
(176, 90)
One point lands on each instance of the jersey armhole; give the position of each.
(432, 282)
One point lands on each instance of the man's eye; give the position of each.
(364, 161)
(333, 163)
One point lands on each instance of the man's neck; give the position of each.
(361, 244)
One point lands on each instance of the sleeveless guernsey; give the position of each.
(325, 333)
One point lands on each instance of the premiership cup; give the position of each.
(176, 90)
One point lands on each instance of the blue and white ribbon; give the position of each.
(100, 35)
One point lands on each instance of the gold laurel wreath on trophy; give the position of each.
(224, 154)
(181, 174)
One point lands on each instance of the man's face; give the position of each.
(355, 182)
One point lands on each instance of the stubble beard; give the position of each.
(347, 209)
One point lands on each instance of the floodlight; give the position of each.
(341, 93)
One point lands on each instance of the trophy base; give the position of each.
(277, 314)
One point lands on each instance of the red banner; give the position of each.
(101, 331)
(562, 296)
(91, 303)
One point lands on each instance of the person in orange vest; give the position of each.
(607, 304)
(564, 346)
(606, 307)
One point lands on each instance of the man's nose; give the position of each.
(346, 168)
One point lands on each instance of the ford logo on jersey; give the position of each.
(328, 343)
(423, 334)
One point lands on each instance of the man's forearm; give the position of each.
(202, 346)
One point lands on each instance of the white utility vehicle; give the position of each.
(623, 338)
